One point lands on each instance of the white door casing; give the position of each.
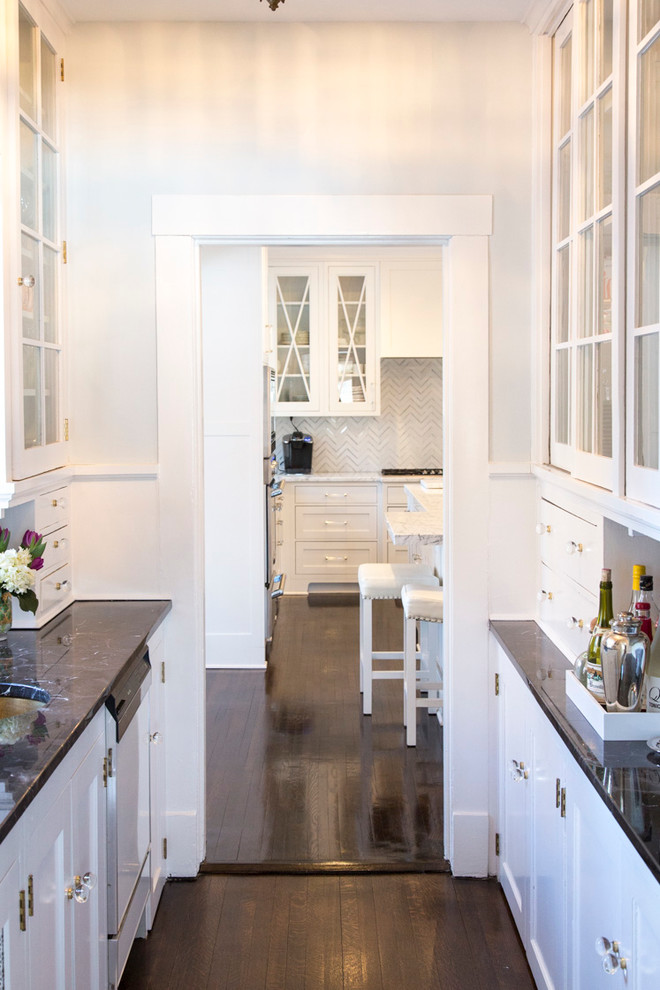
(462, 224)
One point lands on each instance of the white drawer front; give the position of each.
(395, 496)
(55, 588)
(57, 550)
(51, 510)
(322, 523)
(335, 495)
(334, 560)
(565, 611)
(396, 555)
(571, 545)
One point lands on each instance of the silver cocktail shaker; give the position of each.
(624, 654)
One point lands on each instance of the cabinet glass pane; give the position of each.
(648, 103)
(48, 69)
(647, 310)
(292, 331)
(28, 176)
(604, 299)
(31, 395)
(648, 16)
(563, 298)
(587, 53)
(564, 192)
(30, 294)
(48, 188)
(27, 72)
(565, 86)
(50, 295)
(585, 287)
(351, 338)
(605, 150)
(51, 392)
(562, 396)
(647, 386)
(605, 39)
(586, 164)
(585, 371)
(603, 398)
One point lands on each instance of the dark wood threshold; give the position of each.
(322, 869)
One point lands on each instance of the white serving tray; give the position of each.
(611, 726)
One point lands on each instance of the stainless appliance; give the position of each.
(420, 471)
(127, 809)
(273, 582)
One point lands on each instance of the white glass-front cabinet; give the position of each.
(323, 319)
(643, 385)
(35, 252)
(587, 255)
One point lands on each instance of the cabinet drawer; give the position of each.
(571, 545)
(55, 588)
(397, 555)
(565, 611)
(395, 496)
(336, 494)
(51, 510)
(331, 559)
(57, 549)
(326, 523)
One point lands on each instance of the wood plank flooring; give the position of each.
(378, 932)
(299, 782)
(296, 775)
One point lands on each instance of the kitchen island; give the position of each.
(422, 522)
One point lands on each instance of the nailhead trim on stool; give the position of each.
(382, 581)
(420, 604)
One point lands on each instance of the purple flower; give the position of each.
(36, 563)
(35, 543)
(4, 539)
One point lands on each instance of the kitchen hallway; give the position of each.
(325, 864)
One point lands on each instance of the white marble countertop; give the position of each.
(423, 524)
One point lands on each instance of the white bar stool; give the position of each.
(420, 604)
(382, 581)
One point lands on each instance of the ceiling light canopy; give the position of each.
(273, 4)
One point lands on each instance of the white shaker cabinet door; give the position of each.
(13, 941)
(641, 943)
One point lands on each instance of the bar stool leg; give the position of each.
(410, 681)
(366, 652)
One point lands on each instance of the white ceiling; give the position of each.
(297, 10)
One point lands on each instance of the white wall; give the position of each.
(281, 108)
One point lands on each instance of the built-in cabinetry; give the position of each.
(585, 904)
(157, 774)
(410, 308)
(394, 500)
(53, 886)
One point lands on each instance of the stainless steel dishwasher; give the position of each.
(127, 804)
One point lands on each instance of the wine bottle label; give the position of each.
(653, 694)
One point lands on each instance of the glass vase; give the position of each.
(5, 614)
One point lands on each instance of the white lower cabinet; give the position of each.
(13, 909)
(62, 875)
(157, 776)
(586, 906)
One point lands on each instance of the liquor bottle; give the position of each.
(638, 571)
(646, 597)
(653, 677)
(643, 613)
(593, 669)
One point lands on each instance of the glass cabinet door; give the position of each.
(39, 437)
(352, 340)
(643, 385)
(294, 313)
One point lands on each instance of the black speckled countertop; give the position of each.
(77, 658)
(626, 775)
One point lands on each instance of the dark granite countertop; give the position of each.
(77, 658)
(626, 775)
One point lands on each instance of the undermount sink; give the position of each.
(21, 699)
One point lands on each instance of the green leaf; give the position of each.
(28, 601)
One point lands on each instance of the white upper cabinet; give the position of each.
(643, 317)
(324, 325)
(410, 309)
(34, 248)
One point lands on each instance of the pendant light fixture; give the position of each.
(273, 4)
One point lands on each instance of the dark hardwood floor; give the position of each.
(299, 782)
(297, 776)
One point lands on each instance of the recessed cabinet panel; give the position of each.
(336, 495)
(320, 523)
(565, 612)
(410, 309)
(334, 560)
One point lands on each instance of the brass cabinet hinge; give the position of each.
(105, 771)
(64, 253)
(66, 430)
(164, 848)
(162, 671)
(30, 899)
(62, 69)
(21, 911)
(497, 843)
(497, 684)
(557, 792)
(563, 803)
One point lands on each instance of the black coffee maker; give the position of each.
(297, 449)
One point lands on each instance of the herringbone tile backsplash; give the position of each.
(407, 434)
